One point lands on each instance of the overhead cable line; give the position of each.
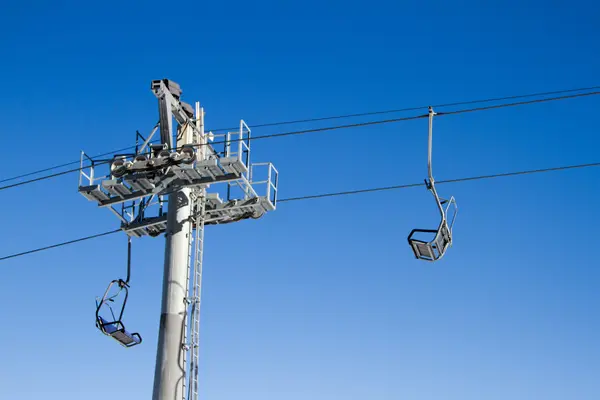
(316, 120)
(414, 117)
(518, 103)
(59, 244)
(466, 179)
(459, 103)
(345, 193)
(41, 178)
(64, 165)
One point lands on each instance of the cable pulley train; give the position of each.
(438, 240)
(113, 326)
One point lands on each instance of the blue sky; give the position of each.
(321, 299)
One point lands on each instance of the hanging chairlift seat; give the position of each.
(116, 328)
(431, 244)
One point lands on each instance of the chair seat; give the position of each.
(434, 248)
(117, 331)
(126, 338)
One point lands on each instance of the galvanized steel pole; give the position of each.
(170, 373)
(170, 367)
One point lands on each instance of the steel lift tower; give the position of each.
(163, 188)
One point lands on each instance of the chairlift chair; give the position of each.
(114, 326)
(431, 244)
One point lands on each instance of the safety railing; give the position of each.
(237, 144)
(88, 171)
(269, 182)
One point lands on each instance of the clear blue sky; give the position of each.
(321, 299)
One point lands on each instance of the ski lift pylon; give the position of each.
(441, 238)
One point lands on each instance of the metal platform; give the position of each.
(220, 211)
(107, 190)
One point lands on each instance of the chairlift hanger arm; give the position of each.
(430, 144)
(128, 260)
(431, 183)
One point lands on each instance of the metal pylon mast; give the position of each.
(189, 170)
